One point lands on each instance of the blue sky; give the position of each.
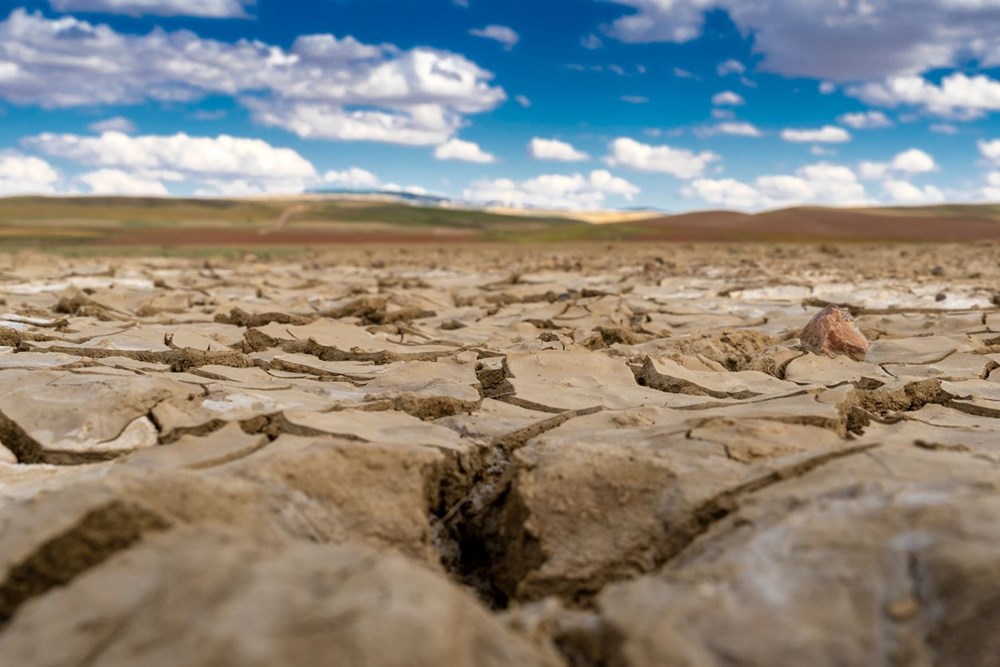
(675, 104)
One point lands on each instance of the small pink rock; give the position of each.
(833, 331)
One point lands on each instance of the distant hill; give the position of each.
(928, 223)
(375, 217)
(307, 220)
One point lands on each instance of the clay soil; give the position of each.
(493, 455)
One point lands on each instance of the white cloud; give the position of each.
(992, 189)
(635, 99)
(726, 192)
(828, 134)
(736, 129)
(865, 120)
(912, 161)
(353, 178)
(418, 126)
(822, 151)
(728, 98)
(957, 96)
(723, 114)
(591, 42)
(215, 9)
(21, 174)
(498, 33)
(523, 101)
(679, 162)
(681, 73)
(825, 183)
(873, 171)
(464, 151)
(944, 128)
(847, 40)
(661, 20)
(904, 192)
(553, 149)
(575, 191)
(827, 88)
(410, 189)
(820, 183)
(320, 87)
(990, 150)
(730, 67)
(219, 161)
(118, 182)
(116, 124)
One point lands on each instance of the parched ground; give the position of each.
(596, 455)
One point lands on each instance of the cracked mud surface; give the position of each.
(493, 456)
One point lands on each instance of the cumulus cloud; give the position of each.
(661, 20)
(680, 162)
(728, 98)
(553, 149)
(116, 124)
(727, 192)
(321, 87)
(853, 40)
(575, 191)
(223, 162)
(990, 150)
(820, 183)
(957, 96)
(498, 33)
(828, 134)
(865, 120)
(353, 178)
(418, 126)
(118, 182)
(736, 129)
(214, 9)
(992, 189)
(22, 174)
(912, 161)
(904, 192)
(463, 151)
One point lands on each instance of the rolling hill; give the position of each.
(321, 220)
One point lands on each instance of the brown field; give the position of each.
(101, 222)
(558, 455)
(811, 224)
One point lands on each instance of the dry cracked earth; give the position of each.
(496, 456)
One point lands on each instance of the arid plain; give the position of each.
(535, 454)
